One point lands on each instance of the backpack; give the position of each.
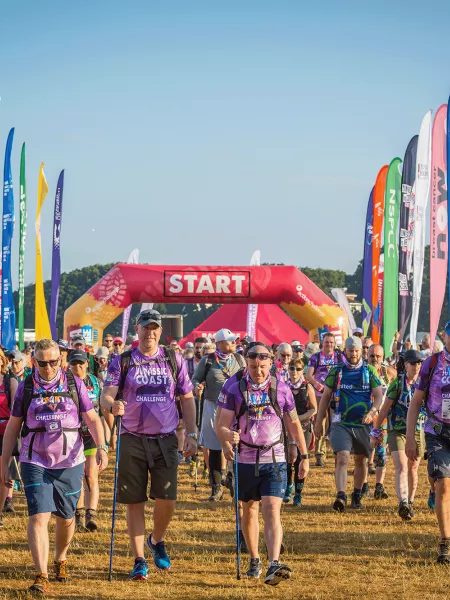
(125, 360)
(243, 410)
(28, 396)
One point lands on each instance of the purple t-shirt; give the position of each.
(150, 392)
(264, 427)
(322, 365)
(438, 391)
(53, 413)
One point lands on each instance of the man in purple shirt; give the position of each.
(433, 388)
(49, 402)
(258, 404)
(155, 377)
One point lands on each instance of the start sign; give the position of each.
(232, 284)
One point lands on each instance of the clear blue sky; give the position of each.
(199, 131)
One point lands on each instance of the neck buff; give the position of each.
(228, 367)
(42, 381)
(350, 366)
(295, 386)
(257, 386)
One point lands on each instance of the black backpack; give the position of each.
(28, 396)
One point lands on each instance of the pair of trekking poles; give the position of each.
(113, 519)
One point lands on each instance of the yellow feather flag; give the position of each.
(42, 323)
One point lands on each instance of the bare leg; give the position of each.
(38, 540)
(250, 526)
(401, 464)
(162, 515)
(273, 532)
(360, 470)
(413, 478)
(63, 536)
(136, 528)
(340, 474)
(92, 490)
(443, 506)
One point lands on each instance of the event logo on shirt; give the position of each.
(446, 375)
(232, 284)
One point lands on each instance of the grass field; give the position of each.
(368, 555)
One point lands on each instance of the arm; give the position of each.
(226, 436)
(378, 396)
(95, 427)
(189, 418)
(384, 411)
(109, 403)
(323, 408)
(14, 384)
(312, 380)
(411, 421)
(199, 373)
(295, 433)
(313, 402)
(9, 440)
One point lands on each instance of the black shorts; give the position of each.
(15, 452)
(134, 467)
(88, 442)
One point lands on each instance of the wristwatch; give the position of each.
(103, 447)
(304, 456)
(192, 435)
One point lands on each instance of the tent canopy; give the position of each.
(273, 326)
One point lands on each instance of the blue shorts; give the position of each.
(255, 487)
(54, 491)
(438, 453)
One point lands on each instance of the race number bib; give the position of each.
(446, 406)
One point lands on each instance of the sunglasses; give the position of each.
(109, 340)
(117, 343)
(366, 347)
(295, 369)
(45, 363)
(258, 355)
(285, 355)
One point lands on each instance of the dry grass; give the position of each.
(335, 557)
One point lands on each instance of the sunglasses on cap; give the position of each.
(45, 363)
(258, 355)
(296, 369)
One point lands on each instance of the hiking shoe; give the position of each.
(61, 573)
(91, 524)
(412, 512)
(444, 552)
(288, 493)
(276, 573)
(41, 584)
(140, 570)
(432, 500)
(320, 462)
(380, 493)
(365, 490)
(216, 493)
(242, 543)
(404, 510)
(255, 568)
(160, 556)
(340, 503)
(79, 518)
(372, 470)
(297, 500)
(356, 501)
(8, 506)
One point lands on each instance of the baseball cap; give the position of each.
(358, 330)
(353, 343)
(63, 344)
(225, 335)
(102, 352)
(247, 339)
(78, 356)
(295, 343)
(189, 345)
(118, 340)
(412, 356)
(78, 339)
(146, 317)
(16, 356)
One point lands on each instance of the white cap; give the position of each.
(102, 352)
(358, 330)
(225, 335)
(295, 343)
(189, 345)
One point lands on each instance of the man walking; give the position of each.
(149, 378)
(353, 384)
(259, 404)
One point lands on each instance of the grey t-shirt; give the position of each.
(215, 378)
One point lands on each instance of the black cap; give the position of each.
(78, 356)
(148, 316)
(412, 356)
(247, 339)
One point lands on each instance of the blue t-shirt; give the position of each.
(354, 399)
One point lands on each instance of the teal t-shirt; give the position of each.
(401, 394)
(355, 392)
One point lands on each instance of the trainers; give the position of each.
(432, 500)
(255, 568)
(444, 552)
(380, 493)
(91, 523)
(404, 510)
(41, 584)
(320, 462)
(276, 573)
(297, 500)
(8, 506)
(160, 556)
(140, 570)
(61, 573)
(356, 501)
(340, 503)
(288, 493)
(365, 490)
(216, 493)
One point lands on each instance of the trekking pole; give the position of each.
(196, 473)
(236, 498)
(113, 520)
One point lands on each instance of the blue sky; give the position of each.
(199, 131)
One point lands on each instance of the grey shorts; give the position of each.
(343, 437)
(438, 453)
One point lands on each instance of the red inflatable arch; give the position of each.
(126, 284)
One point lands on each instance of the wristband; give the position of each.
(376, 433)
(292, 443)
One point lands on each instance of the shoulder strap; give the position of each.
(244, 392)
(433, 364)
(125, 359)
(7, 385)
(208, 363)
(27, 395)
(317, 354)
(73, 390)
(239, 359)
(273, 395)
(172, 360)
(95, 383)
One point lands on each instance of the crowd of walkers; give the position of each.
(263, 408)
